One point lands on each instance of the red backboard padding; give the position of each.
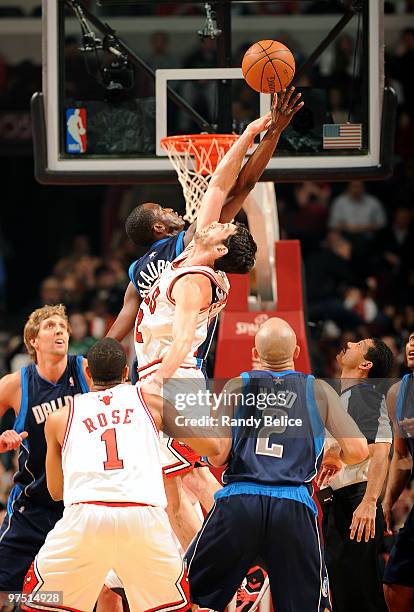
(238, 326)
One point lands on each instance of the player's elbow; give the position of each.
(355, 451)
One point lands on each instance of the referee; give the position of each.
(353, 523)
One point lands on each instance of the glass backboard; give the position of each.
(120, 74)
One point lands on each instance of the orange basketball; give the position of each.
(268, 66)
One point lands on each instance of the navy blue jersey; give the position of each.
(146, 270)
(39, 398)
(283, 448)
(405, 406)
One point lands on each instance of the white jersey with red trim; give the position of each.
(110, 451)
(154, 322)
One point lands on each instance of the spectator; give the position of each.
(398, 359)
(50, 291)
(328, 274)
(106, 291)
(359, 216)
(160, 55)
(73, 292)
(337, 106)
(356, 212)
(395, 241)
(80, 342)
(78, 250)
(307, 218)
(362, 304)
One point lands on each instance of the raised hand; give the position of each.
(284, 108)
(259, 125)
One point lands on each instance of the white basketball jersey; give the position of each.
(154, 322)
(110, 451)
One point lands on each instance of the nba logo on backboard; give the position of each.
(76, 130)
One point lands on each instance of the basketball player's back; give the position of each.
(277, 441)
(99, 452)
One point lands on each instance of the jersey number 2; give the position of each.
(113, 462)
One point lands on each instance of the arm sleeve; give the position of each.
(367, 408)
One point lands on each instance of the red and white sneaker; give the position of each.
(252, 589)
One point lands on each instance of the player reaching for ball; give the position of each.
(162, 230)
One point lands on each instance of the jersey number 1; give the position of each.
(113, 462)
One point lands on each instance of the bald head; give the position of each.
(276, 342)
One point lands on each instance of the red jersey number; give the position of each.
(113, 462)
(151, 302)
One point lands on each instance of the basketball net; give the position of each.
(195, 157)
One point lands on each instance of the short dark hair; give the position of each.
(382, 359)
(241, 255)
(106, 360)
(139, 226)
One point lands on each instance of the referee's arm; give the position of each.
(363, 518)
(370, 412)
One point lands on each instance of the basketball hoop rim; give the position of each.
(182, 142)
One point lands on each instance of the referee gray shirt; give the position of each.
(368, 409)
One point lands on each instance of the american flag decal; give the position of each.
(342, 136)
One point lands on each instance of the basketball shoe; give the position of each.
(252, 589)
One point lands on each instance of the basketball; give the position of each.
(268, 66)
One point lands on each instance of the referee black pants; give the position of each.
(353, 567)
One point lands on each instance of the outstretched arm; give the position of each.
(226, 173)
(284, 108)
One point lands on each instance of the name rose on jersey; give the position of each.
(117, 417)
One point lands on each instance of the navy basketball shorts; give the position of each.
(400, 566)
(22, 534)
(282, 535)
